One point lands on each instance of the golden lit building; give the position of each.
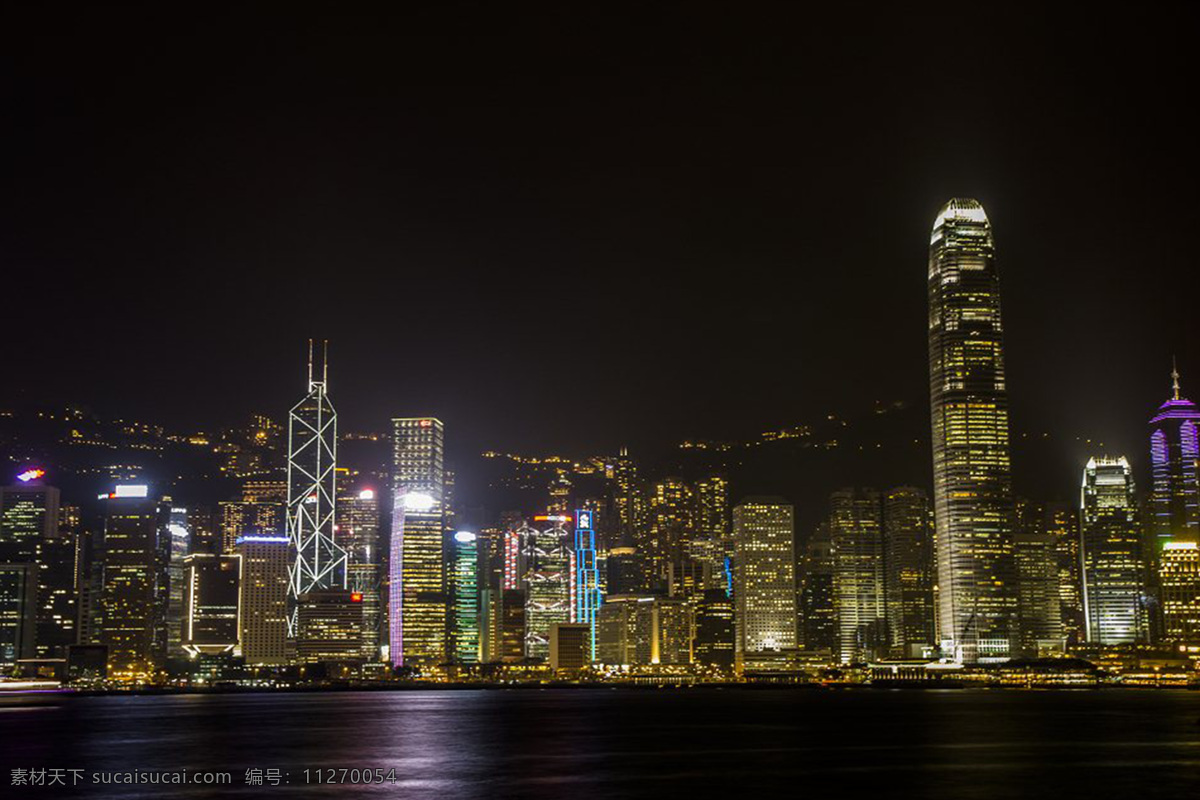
(329, 625)
(134, 588)
(711, 544)
(249, 517)
(417, 602)
(856, 533)
(764, 578)
(671, 510)
(264, 598)
(971, 462)
(643, 630)
(1179, 581)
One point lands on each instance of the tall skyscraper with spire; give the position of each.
(317, 561)
(1174, 453)
(971, 465)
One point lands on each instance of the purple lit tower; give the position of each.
(1175, 495)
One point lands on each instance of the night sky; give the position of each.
(564, 231)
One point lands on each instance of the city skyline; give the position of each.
(695, 400)
(989, 570)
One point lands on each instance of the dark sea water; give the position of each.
(626, 743)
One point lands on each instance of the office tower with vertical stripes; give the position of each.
(1039, 595)
(417, 602)
(856, 530)
(464, 614)
(971, 461)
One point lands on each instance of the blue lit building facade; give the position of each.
(587, 576)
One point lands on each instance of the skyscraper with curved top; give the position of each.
(1175, 469)
(969, 411)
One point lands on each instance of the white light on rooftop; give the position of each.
(417, 501)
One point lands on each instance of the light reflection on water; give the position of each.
(630, 743)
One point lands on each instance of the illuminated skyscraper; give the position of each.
(509, 620)
(711, 545)
(856, 532)
(715, 630)
(30, 534)
(764, 579)
(1174, 455)
(249, 518)
(623, 630)
(330, 627)
(671, 510)
(18, 612)
(971, 469)
(180, 547)
(546, 560)
(358, 535)
(1062, 522)
(28, 515)
(570, 647)
(58, 595)
(263, 599)
(1113, 570)
(644, 630)
(587, 577)
(625, 572)
(134, 585)
(908, 559)
(417, 603)
(560, 493)
(490, 543)
(627, 500)
(1035, 548)
(464, 630)
(318, 562)
(1179, 581)
(211, 600)
(818, 617)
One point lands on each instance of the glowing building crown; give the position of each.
(960, 209)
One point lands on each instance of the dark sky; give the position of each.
(567, 230)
